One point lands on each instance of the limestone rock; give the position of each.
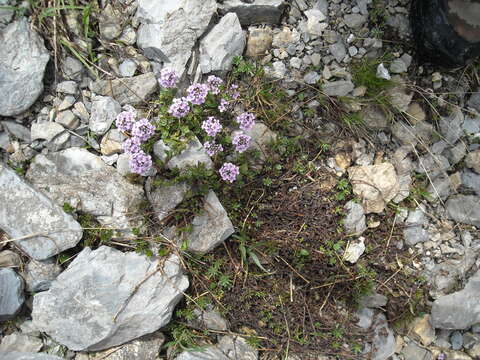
(383, 343)
(25, 211)
(16, 355)
(354, 221)
(422, 330)
(169, 29)
(338, 88)
(464, 209)
(164, 198)
(472, 161)
(40, 274)
(376, 185)
(229, 348)
(23, 59)
(145, 348)
(106, 298)
(255, 12)
(132, 90)
(259, 42)
(103, 114)
(211, 227)
(458, 310)
(81, 179)
(193, 155)
(11, 294)
(225, 41)
(21, 342)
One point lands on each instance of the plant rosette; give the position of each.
(203, 112)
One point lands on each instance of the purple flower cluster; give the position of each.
(140, 163)
(212, 126)
(125, 120)
(143, 130)
(197, 93)
(131, 146)
(179, 108)
(223, 105)
(229, 172)
(212, 148)
(168, 78)
(241, 142)
(214, 83)
(246, 121)
(233, 91)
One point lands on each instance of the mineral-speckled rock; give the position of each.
(25, 211)
(11, 294)
(106, 298)
(225, 41)
(40, 274)
(23, 59)
(81, 179)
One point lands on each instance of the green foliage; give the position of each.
(243, 67)
(183, 338)
(93, 233)
(352, 120)
(364, 73)
(344, 189)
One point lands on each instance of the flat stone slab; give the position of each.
(11, 294)
(16, 355)
(106, 298)
(25, 211)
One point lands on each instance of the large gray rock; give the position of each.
(131, 90)
(451, 127)
(82, 179)
(27, 212)
(464, 209)
(11, 294)
(6, 12)
(106, 298)
(225, 41)
(145, 348)
(229, 348)
(383, 342)
(15, 355)
(23, 59)
(459, 310)
(338, 88)
(169, 29)
(164, 198)
(21, 342)
(255, 12)
(211, 227)
(39, 275)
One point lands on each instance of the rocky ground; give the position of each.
(351, 234)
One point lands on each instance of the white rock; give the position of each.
(354, 250)
(382, 72)
(104, 111)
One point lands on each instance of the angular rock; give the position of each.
(46, 131)
(315, 22)
(354, 250)
(354, 221)
(459, 310)
(464, 209)
(255, 12)
(472, 160)
(128, 68)
(193, 155)
(40, 274)
(16, 355)
(225, 41)
(414, 232)
(21, 342)
(421, 329)
(145, 348)
(262, 137)
(81, 179)
(355, 21)
(399, 98)
(67, 119)
(414, 352)
(164, 198)
(112, 142)
(103, 114)
(452, 127)
(67, 87)
(106, 298)
(338, 88)
(208, 319)
(338, 51)
(110, 23)
(376, 185)
(286, 37)
(23, 60)
(10, 259)
(132, 90)
(229, 348)
(311, 77)
(17, 130)
(11, 294)
(27, 212)
(211, 227)
(170, 29)
(433, 165)
(259, 42)
(374, 117)
(383, 343)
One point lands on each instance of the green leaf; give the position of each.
(254, 258)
